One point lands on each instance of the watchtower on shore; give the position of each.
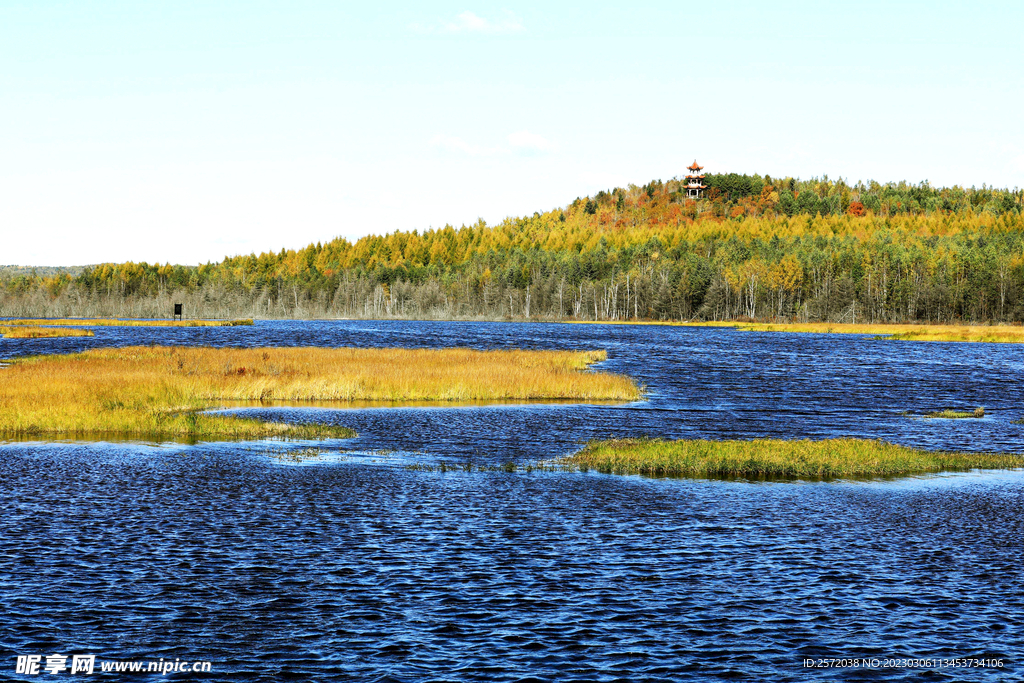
(695, 181)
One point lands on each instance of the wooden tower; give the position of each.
(695, 181)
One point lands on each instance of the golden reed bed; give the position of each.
(115, 322)
(949, 333)
(28, 332)
(160, 391)
(1013, 334)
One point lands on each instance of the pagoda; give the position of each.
(695, 181)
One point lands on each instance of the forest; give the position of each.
(752, 248)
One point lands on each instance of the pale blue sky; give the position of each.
(186, 131)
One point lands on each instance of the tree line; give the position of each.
(752, 247)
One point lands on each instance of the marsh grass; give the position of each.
(469, 467)
(776, 459)
(29, 332)
(162, 391)
(301, 456)
(950, 414)
(115, 322)
(1013, 334)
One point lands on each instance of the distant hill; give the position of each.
(749, 246)
(41, 271)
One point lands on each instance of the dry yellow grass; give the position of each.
(114, 322)
(1013, 334)
(952, 414)
(27, 332)
(159, 390)
(949, 333)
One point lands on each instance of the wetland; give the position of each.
(362, 558)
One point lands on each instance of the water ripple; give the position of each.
(345, 565)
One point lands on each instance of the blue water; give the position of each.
(346, 565)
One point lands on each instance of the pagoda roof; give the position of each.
(695, 167)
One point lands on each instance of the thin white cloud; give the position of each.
(470, 22)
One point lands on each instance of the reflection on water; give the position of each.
(333, 560)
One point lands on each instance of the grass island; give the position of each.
(953, 414)
(776, 459)
(162, 391)
(125, 322)
(33, 332)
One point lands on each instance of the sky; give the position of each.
(185, 131)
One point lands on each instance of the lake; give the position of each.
(335, 561)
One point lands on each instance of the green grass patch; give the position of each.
(776, 459)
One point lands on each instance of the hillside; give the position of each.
(12, 271)
(753, 246)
